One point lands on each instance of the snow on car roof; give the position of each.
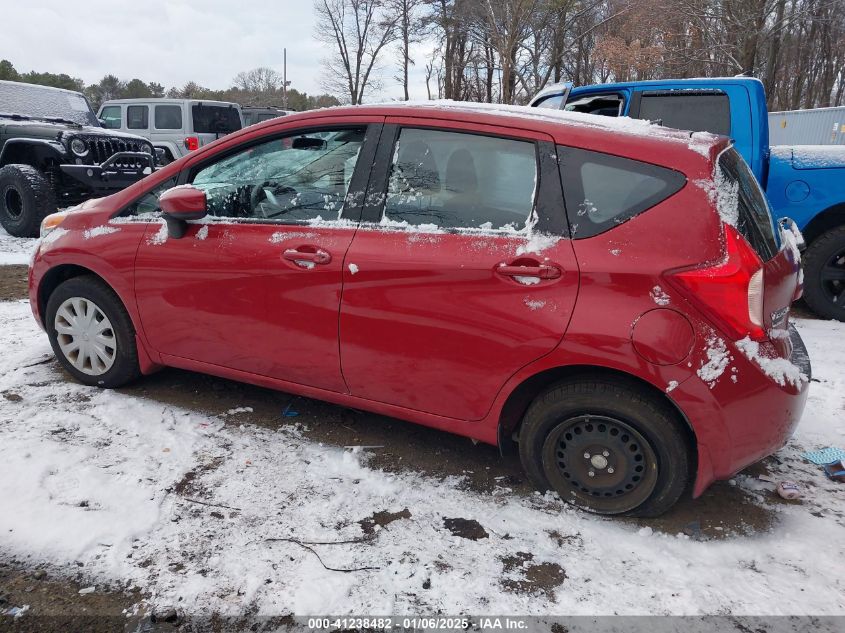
(696, 141)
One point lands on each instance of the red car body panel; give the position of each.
(423, 327)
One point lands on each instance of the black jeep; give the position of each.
(55, 153)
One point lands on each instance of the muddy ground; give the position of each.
(724, 511)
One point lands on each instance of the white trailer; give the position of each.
(820, 126)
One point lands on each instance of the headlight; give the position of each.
(52, 222)
(78, 147)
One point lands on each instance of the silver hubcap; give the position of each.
(85, 336)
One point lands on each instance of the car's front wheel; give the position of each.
(91, 333)
(606, 445)
(26, 197)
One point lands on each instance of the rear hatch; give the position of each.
(211, 121)
(777, 248)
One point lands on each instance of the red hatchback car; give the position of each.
(609, 295)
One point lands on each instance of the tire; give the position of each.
(74, 297)
(824, 260)
(630, 439)
(26, 197)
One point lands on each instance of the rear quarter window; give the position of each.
(168, 117)
(602, 191)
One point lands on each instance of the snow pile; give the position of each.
(718, 360)
(779, 369)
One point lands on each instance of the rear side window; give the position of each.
(753, 218)
(460, 180)
(168, 117)
(111, 117)
(602, 191)
(215, 119)
(688, 110)
(137, 117)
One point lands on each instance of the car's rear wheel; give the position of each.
(26, 197)
(605, 445)
(824, 274)
(91, 333)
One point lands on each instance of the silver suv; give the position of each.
(175, 126)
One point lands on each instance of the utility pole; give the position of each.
(285, 78)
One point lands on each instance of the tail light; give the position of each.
(192, 143)
(731, 292)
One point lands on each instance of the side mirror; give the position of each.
(180, 204)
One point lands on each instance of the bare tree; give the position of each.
(358, 31)
(408, 30)
(258, 80)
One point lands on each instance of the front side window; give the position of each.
(168, 117)
(459, 180)
(111, 117)
(602, 191)
(293, 178)
(137, 117)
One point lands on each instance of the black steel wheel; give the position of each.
(824, 274)
(608, 445)
(601, 462)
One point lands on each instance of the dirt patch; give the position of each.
(466, 528)
(53, 604)
(382, 519)
(13, 282)
(536, 578)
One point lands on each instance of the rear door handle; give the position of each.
(541, 271)
(315, 256)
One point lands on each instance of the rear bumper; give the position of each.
(745, 416)
(115, 173)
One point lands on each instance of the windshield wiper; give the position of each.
(15, 115)
(58, 119)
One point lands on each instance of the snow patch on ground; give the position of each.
(196, 512)
(15, 250)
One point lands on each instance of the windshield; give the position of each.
(39, 102)
(215, 119)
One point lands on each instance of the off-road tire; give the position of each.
(819, 254)
(26, 197)
(125, 368)
(599, 400)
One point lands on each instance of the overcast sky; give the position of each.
(173, 41)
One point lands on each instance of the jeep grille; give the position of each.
(101, 148)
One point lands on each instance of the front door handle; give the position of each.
(541, 271)
(307, 255)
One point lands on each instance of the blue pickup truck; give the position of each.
(805, 183)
